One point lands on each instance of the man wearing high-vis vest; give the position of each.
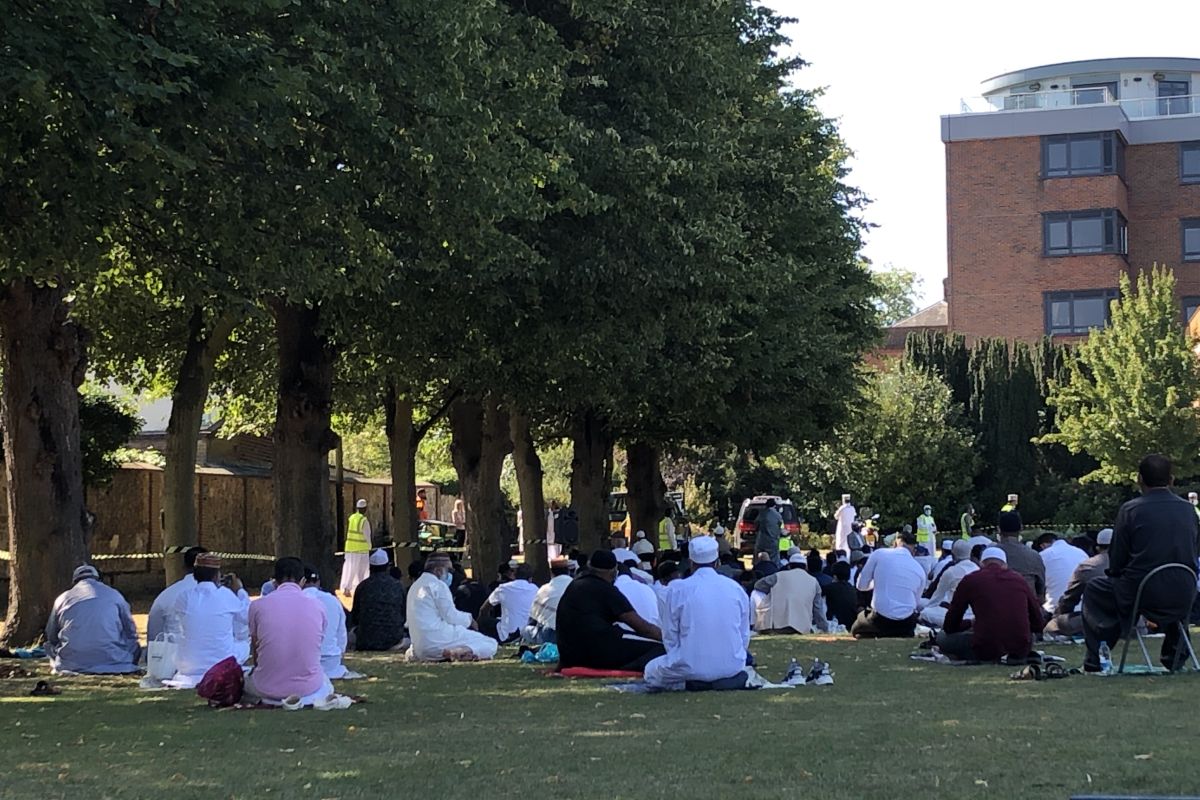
(357, 565)
(967, 521)
(666, 534)
(926, 530)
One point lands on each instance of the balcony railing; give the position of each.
(1136, 108)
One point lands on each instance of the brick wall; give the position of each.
(995, 198)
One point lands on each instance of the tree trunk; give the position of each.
(646, 491)
(528, 466)
(42, 363)
(192, 381)
(402, 452)
(479, 441)
(591, 478)
(303, 438)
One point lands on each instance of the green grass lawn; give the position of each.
(888, 728)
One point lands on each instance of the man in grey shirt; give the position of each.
(770, 528)
(1021, 559)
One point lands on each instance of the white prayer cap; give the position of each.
(84, 571)
(961, 550)
(645, 566)
(845, 498)
(378, 558)
(797, 558)
(947, 544)
(1105, 536)
(703, 550)
(641, 534)
(361, 504)
(994, 553)
(928, 509)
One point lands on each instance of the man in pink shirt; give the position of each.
(286, 629)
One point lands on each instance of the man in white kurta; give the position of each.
(90, 629)
(933, 609)
(543, 614)
(640, 595)
(846, 514)
(333, 643)
(356, 565)
(438, 630)
(209, 613)
(706, 629)
(162, 618)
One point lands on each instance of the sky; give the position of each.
(890, 70)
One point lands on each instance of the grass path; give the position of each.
(889, 728)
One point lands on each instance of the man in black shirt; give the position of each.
(841, 598)
(587, 636)
(377, 615)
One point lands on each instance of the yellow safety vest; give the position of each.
(356, 541)
(785, 543)
(966, 522)
(1008, 507)
(925, 528)
(663, 542)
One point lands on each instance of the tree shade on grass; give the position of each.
(888, 728)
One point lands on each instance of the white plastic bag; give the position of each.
(160, 657)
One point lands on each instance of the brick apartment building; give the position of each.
(1062, 177)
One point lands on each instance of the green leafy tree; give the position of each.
(896, 293)
(1133, 389)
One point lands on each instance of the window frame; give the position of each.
(1070, 296)
(1120, 246)
(1167, 103)
(1185, 225)
(1188, 300)
(1184, 149)
(1110, 140)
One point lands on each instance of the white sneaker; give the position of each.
(335, 702)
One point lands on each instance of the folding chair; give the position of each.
(1185, 634)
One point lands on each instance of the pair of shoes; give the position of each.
(334, 702)
(819, 674)
(292, 703)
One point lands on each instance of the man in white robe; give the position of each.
(333, 643)
(515, 599)
(90, 629)
(543, 614)
(162, 618)
(640, 595)
(356, 563)
(438, 630)
(790, 600)
(706, 629)
(845, 515)
(209, 613)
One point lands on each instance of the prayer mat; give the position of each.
(588, 672)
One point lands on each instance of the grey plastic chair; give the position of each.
(1185, 633)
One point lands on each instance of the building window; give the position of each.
(1190, 304)
(1076, 233)
(1082, 154)
(1191, 240)
(1173, 97)
(1086, 94)
(1189, 162)
(1077, 312)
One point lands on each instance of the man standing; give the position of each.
(926, 530)
(706, 629)
(286, 630)
(770, 528)
(162, 618)
(966, 522)
(422, 503)
(1007, 614)
(1067, 620)
(377, 615)
(845, 516)
(587, 616)
(1060, 559)
(1021, 559)
(90, 629)
(208, 614)
(1010, 504)
(1194, 499)
(666, 533)
(1152, 530)
(897, 581)
(515, 599)
(356, 566)
(439, 631)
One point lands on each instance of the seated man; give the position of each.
(286, 629)
(1059, 558)
(790, 600)
(515, 599)
(933, 608)
(587, 616)
(333, 644)
(640, 595)
(1021, 559)
(162, 618)
(896, 581)
(543, 614)
(90, 630)
(377, 614)
(208, 614)
(440, 631)
(1068, 618)
(620, 549)
(841, 598)
(1007, 614)
(642, 547)
(706, 629)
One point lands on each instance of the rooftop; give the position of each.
(1094, 66)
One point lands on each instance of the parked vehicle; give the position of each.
(747, 521)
